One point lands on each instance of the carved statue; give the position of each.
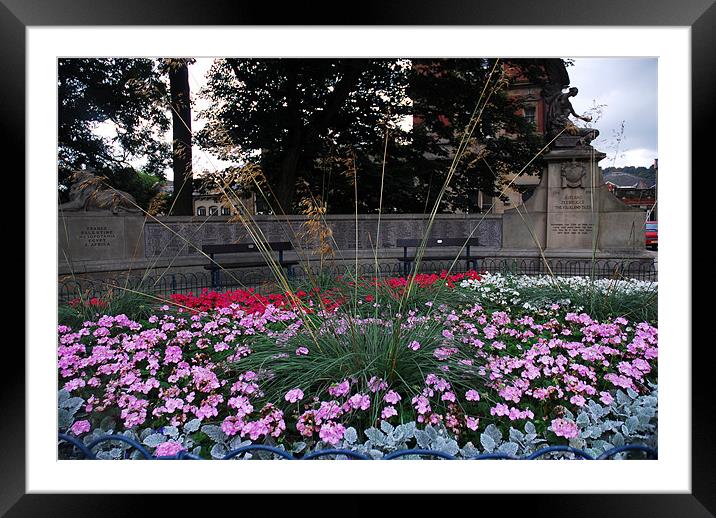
(88, 193)
(559, 108)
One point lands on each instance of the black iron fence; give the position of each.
(265, 452)
(163, 284)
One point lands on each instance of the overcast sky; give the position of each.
(624, 89)
(628, 88)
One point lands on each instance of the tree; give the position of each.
(128, 93)
(315, 125)
(445, 93)
(178, 71)
(293, 116)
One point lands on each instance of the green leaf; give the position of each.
(64, 419)
(422, 438)
(386, 427)
(488, 443)
(192, 426)
(62, 395)
(582, 419)
(516, 435)
(494, 433)
(154, 440)
(375, 435)
(107, 424)
(508, 448)
(350, 435)
(214, 433)
(632, 424)
(72, 404)
(218, 451)
(171, 431)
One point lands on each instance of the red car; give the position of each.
(650, 232)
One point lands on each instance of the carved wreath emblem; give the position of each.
(573, 175)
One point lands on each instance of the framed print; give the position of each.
(269, 160)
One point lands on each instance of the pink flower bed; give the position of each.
(477, 368)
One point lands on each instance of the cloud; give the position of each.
(628, 88)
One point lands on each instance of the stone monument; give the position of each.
(571, 213)
(98, 223)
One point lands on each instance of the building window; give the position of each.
(530, 114)
(201, 211)
(213, 211)
(225, 211)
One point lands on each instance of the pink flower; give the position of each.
(331, 432)
(472, 395)
(341, 389)
(232, 425)
(500, 409)
(448, 396)
(414, 345)
(301, 351)
(392, 397)
(172, 354)
(388, 412)
(80, 427)
(564, 428)
(447, 334)
(375, 384)
(293, 395)
(359, 401)
(577, 400)
(606, 398)
(472, 423)
(168, 449)
(421, 404)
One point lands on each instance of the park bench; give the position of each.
(432, 243)
(215, 266)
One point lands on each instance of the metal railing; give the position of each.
(85, 451)
(261, 279)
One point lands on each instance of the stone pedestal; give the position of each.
(99, 236)
(572, 213)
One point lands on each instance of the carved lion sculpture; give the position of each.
(88, 193)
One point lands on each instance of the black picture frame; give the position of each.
(17, 15)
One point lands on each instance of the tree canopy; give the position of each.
(129, 93)
(318, 129)
(294, 116)
(315, 125)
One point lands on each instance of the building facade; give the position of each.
(215, 204)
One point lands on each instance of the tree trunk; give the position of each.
(181, 132)
(286, 182)
(286, 185)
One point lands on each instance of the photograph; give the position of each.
(415, 254)
(357, 258)
(402, 248)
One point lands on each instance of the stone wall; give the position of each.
(183, 237)
(98, 242)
